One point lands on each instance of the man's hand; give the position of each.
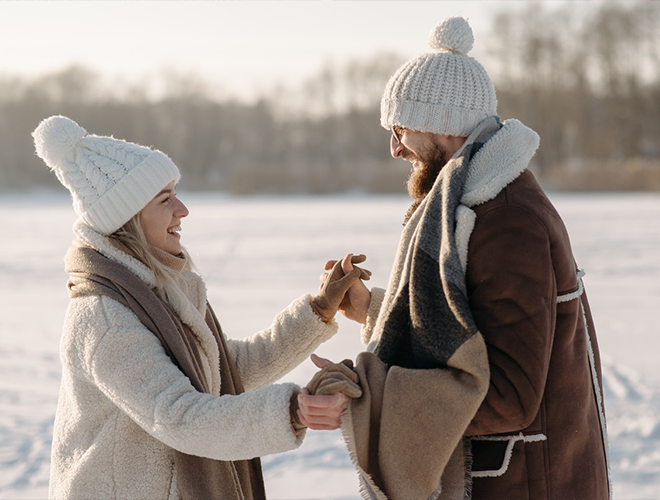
(355, 304)
(333, 378)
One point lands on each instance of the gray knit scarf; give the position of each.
(434, 295)
(427, 372)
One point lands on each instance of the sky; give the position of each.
(243, 47)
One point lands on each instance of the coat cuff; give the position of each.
(304, 309)
(297, 432)
(367, 330)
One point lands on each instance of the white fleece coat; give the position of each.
(124, 405)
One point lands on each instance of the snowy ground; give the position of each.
(257, 254)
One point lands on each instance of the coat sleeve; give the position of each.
(271, 353)
(512, 291)
(128, 364)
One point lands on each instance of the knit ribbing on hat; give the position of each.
(131, 194)
(445, 91)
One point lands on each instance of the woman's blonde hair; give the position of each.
(130, 238)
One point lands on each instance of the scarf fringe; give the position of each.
(368, 489)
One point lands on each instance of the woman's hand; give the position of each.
(321, 413)
(355, 304)
(322, 408)
(335, 285)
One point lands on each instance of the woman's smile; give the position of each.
(161, 220)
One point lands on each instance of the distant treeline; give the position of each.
(586, 77)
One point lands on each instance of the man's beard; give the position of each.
(422, 178)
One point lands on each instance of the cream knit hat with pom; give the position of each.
(110, 180)
(444, 91)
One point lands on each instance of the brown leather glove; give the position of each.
(334, 289)
(334, 378)
(365, 274)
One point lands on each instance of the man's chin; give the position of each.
(422, 178)
(418, 186)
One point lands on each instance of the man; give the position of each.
(482, 373)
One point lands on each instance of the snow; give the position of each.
(259, 253)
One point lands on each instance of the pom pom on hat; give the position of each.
(444, 91)
(55, 137)
(110, 180)
(452, 35)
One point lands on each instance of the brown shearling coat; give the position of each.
(539, 432)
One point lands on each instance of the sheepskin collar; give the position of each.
(87, 236)
(499, 162)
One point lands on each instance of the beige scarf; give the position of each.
(198, 478)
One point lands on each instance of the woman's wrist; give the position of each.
(297, 426)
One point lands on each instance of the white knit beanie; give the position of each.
(444, 91)
(110, 180)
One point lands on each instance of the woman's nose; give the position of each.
(182, 210)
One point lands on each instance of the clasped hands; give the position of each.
(341, 287)
(320, 405)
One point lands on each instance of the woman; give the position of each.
(155, 402)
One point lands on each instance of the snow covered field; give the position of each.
(259, 253)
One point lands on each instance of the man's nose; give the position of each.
(395, 147)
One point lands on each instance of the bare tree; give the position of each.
(586, 77)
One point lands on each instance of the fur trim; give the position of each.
(566, 297)
(99, 242)
(465, 219)
(512, 440)
(599, 400)
(499, 162)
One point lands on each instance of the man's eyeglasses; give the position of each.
(397, 133)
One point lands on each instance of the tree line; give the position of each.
(587, 80)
